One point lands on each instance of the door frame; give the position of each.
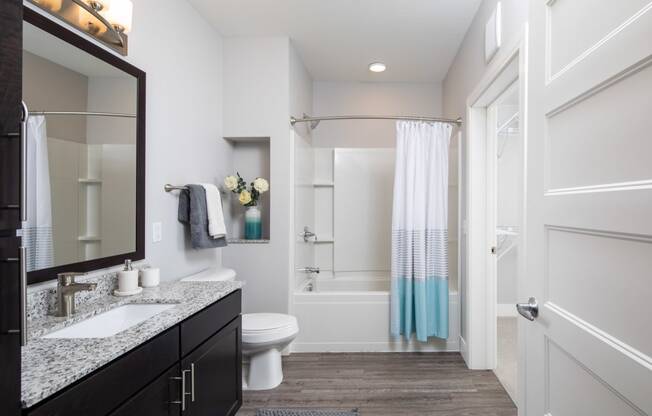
(480, 308)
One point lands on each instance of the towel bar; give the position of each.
(170, 188)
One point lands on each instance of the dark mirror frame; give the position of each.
(72, 38)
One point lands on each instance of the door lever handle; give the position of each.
(529, 310)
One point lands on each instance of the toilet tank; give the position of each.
(213, 274)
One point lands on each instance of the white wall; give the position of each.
(468, 68)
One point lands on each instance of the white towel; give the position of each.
(216, 227)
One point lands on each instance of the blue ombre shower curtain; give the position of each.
(419, 293)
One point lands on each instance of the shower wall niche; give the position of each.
(250, 158)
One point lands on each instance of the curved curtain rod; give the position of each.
(314, 121)
(80, 113)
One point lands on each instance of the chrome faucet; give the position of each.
(66, 289)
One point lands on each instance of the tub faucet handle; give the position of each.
(307, 234)
(309, 269)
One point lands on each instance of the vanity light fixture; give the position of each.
(119, 14)
(377, 67)
(108, 21)
(54, 5)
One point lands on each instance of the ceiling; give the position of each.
(338, 39)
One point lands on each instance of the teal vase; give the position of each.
(253, 224)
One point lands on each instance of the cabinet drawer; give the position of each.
(106, 388)
(199, 327)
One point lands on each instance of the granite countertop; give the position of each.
(49, 365)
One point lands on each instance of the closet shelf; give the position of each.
(506, 239)
(505, 127)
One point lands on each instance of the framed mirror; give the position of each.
(85, 129)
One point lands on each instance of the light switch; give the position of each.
(157, 232)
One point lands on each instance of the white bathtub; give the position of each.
(350, 313)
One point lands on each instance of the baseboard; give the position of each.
(447, 346)
(506, 310)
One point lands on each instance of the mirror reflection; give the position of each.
(81, 138)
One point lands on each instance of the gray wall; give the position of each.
(51, 87)
(184, 121)
(340, 98)
(257, 90)
(465, 73)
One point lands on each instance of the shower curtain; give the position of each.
(37, 230)
(419, 292)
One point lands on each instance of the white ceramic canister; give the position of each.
(150, 276)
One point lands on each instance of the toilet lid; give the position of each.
(257, 322)
(268, 327)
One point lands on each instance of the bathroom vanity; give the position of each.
(185, 360)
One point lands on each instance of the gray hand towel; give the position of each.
(192, 211)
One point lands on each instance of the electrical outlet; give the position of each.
(157, 232)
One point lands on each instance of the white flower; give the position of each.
(231, 182)
(245, 197)
(261, 185)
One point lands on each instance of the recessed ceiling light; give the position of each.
(377, 67)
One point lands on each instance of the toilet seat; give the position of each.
(260, 328)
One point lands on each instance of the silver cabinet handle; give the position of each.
(183, 389)
(529, 310)
(192, 382)
(23, 296)
(182, 402)
(23, 163)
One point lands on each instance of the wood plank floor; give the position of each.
(385, 384)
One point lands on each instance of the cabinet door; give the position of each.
(11, 35)
(9, 326)
(160, 398)
(215, 374)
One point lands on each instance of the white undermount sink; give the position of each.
(111, 322)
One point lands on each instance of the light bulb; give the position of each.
(53, 5)
(377, 67)
(119, 14)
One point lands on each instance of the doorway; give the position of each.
(504, 177)
(494, 169)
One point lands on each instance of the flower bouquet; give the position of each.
(248, 196)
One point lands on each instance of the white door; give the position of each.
(589, 208)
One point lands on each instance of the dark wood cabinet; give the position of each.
(105, 389)
(149, 380)
(215, 374)
(11, 45)
(159, 398)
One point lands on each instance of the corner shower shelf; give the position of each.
(323, 184)
(327, 240)
(89, 238)
(90, 181)
(244, 241)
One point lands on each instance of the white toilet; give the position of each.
(264, 336)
